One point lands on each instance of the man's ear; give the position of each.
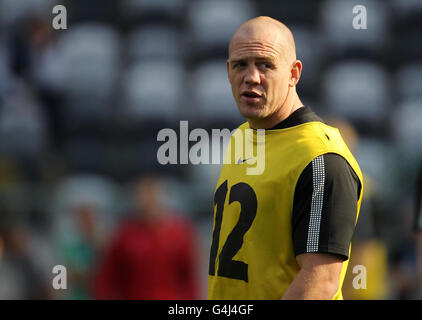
(295, 73)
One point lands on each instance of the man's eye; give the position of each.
(267, 65)
(239, 64)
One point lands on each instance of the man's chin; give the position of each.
(252, 112)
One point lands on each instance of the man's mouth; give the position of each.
(251, 96)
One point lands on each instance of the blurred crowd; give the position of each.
(80, 110)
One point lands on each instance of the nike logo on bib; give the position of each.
(240, 161)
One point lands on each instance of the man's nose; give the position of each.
(252, 76)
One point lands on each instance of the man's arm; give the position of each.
(323, 221)
(318, 278)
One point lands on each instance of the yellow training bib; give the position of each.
(252, 255)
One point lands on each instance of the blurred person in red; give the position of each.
(152, 256)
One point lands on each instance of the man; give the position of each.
(285, 233)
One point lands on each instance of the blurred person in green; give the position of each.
(78, 253)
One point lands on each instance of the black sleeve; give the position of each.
(325, 206)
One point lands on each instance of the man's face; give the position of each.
(259, 75)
